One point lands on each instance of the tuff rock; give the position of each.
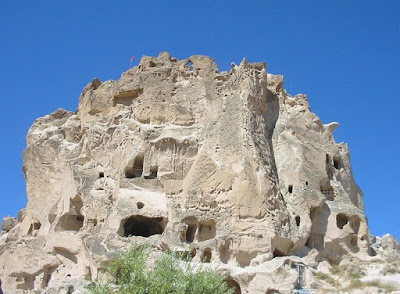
(8, 223)
(225, 166)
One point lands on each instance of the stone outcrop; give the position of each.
(224, 166)
(8, 223)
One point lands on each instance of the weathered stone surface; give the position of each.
(8, 223)
(387, 246)
(225, 165)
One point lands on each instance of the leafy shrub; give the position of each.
(132, 273)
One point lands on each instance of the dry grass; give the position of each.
(327, 279)
(391, 269)
(352, 271)
(357, 284)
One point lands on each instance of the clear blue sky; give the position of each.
(344, 54)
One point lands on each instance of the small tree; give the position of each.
(130, 273)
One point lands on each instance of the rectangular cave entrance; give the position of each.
(126, 98)
(199, 230)
(138, 225)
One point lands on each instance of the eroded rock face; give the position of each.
(8, 223)
(223, 165)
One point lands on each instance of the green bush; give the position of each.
(131, 273)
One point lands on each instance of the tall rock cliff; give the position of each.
(224, 166)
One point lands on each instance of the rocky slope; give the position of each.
(224, 166)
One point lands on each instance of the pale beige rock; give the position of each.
(8, 223)
(225, 165)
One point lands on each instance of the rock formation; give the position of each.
(224, 166)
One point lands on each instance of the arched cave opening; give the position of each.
(191, 232)
(336, 162)
(138, 225)
(341, 220)
(73, 220)
(232, 284)
(135, 170)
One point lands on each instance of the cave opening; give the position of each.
(138, 225)
(191, 232)
(341, 220)
(153, 173)
(135, 170)
(297, 218)
(232, 284)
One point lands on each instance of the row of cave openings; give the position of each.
(139, 225)
(327, 190)
(134, 169)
